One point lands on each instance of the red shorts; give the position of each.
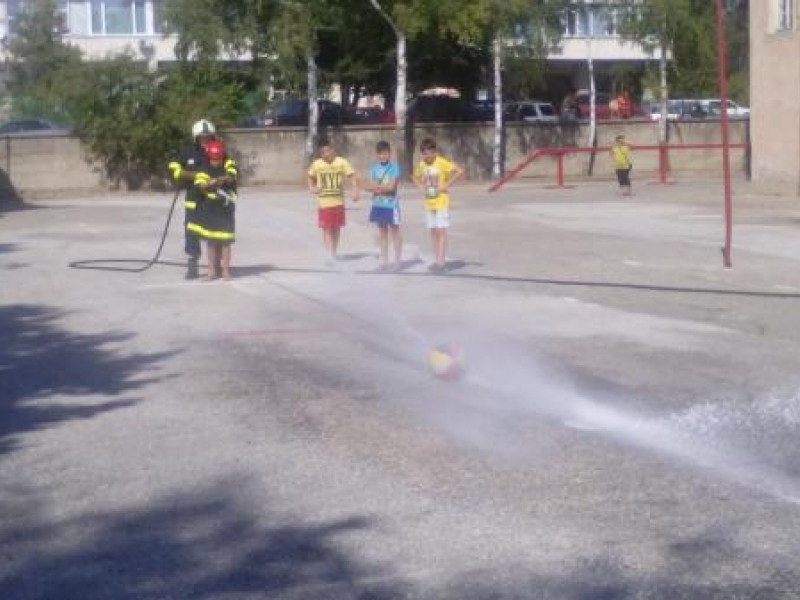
(331, 217)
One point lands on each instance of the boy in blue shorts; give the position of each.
(385, 212)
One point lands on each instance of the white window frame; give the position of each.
(783, 17)
(137, 28)
(579, 20)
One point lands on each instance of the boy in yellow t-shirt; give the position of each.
(434, 175)
(326, 178)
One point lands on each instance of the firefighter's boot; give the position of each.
(192, 272)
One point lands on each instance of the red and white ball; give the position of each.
(446, 362)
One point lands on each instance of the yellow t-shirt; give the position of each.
(331, 178)
(621, 153)
(433, 176)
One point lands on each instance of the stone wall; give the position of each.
(55, 166)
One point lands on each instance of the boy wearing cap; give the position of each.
(621, 155)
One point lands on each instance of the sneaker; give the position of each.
(435, 269)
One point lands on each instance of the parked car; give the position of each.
(437, 109)
(295, 113)
(714, 108)
(369, 115)
(680, 109)
(602, 107)
(31, 127)
(685, 108)
(251, 121)
(530, 111)
(480, 111)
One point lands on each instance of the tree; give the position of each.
(685, 29)
(131, 119)
(37, 56)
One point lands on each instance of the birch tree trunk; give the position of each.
(662, 129)
(592, 93)
(313, 106)
(400, 91)
(497, 150)
(402, 68)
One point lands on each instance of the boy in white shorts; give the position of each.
(434, 175)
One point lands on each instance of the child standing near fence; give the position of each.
(623, 163)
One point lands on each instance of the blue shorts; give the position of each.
(384, 216)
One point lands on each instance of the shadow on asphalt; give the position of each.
(205, 546)
(40, 360)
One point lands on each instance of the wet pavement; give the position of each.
(625, 427)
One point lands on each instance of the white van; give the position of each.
(714, 108)
(531, 111)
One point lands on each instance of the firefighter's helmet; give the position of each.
(203, 127)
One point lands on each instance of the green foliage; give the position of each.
(37, 55)
(131, 119)
(688, 29)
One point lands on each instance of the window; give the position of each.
(591, 20)
(111, 17)
(14, 8)
(576, 22)
(784, 15)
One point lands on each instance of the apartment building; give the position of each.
(775, 92)
(590, 29)
(101, 28)
(105, 27)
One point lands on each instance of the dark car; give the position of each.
(480, 110)
(295, 113)
(251, 121)
(31, 127)
(437, 109)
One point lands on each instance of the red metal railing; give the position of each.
(560, 152)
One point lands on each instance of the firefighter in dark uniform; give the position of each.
(184, 167)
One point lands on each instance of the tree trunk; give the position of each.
(497, 150)
(402, 68)
(663, 125)
(313, 106)
(400, 92)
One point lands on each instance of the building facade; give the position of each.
(105, 27)
(102, 28)
(590, 29)
(775, 92)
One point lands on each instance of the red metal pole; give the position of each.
(560, 169)
(722, 74)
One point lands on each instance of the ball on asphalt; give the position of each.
(446, 362)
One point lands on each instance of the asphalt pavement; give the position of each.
(625, 426)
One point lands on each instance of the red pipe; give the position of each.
(560, 169)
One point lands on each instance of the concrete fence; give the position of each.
(56, 166)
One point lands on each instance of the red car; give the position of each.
(606, 107)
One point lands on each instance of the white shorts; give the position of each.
(437, 219)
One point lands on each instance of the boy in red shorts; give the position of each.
(326, 178)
